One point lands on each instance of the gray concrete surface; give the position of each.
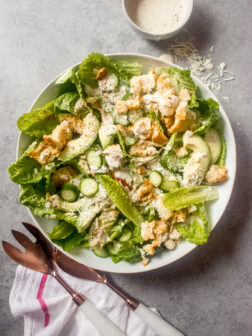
(209, 291)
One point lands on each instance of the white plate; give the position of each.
(215, 209)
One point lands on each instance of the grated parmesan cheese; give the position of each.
(187, 55)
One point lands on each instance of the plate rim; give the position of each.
(226, 121)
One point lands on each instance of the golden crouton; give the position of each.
(142, 128)
(164, 83)
(216, 174)
(157, 136)
(185, 121)
(101, 73)
(132, 104)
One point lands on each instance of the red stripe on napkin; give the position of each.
(41, 300)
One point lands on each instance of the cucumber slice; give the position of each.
(108, 83)
(100, 252)
(168, 185)
(114, 248)
(126, 235)
(213, 140)
(94, 159)
(105, 139)
(156, 178)
(88, 186)
(69, 192)
(130, 140)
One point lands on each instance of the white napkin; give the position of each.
(48, 309)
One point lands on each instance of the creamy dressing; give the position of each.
(158, 16)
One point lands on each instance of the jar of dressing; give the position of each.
(157, 19)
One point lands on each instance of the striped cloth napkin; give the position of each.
(48, 309)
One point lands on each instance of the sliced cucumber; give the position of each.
(168, 185)
(213, 140)
(156, 178)
(126, 235)
(100, 252)
(114, 248)
(69, 192)
(108, 83)
(94, 159)
(105, 139)
(88, 186)
(130, 140)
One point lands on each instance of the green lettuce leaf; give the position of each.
(209, 114)
(181, 79)
(124, 70)
(222, 158)
(187, 196)
(67, 101)
(75, 78)
(64, 82)
(61, 231)
(196, 228)
(26, 169)
(128, 252)
(38, 122)
(121, 199)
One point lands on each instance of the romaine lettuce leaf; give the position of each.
(124, 70)
(196, 228)
(187, 196)
(77, 82)
(128, 252)
(26, 169)
(120, 198)
(209, 114)
(67, 101)
(222, 158)
(181, 79)
(39, 122)
(61, 231)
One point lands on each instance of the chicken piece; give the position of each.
(121, 107)
(101, 73)
(163, 83)
(163, 212)
(174, 234)
(142, 128)
(44, 153)
(157, 136)
(170, 244)
(60, 135)
(76, 124)
(114, 156)
(63, 175)
(143, 148)
(149, 249)
(147, 230)
(216, 174)
(184, 95)
(178, 216)
(144, 83)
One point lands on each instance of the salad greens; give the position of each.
(124, 161)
